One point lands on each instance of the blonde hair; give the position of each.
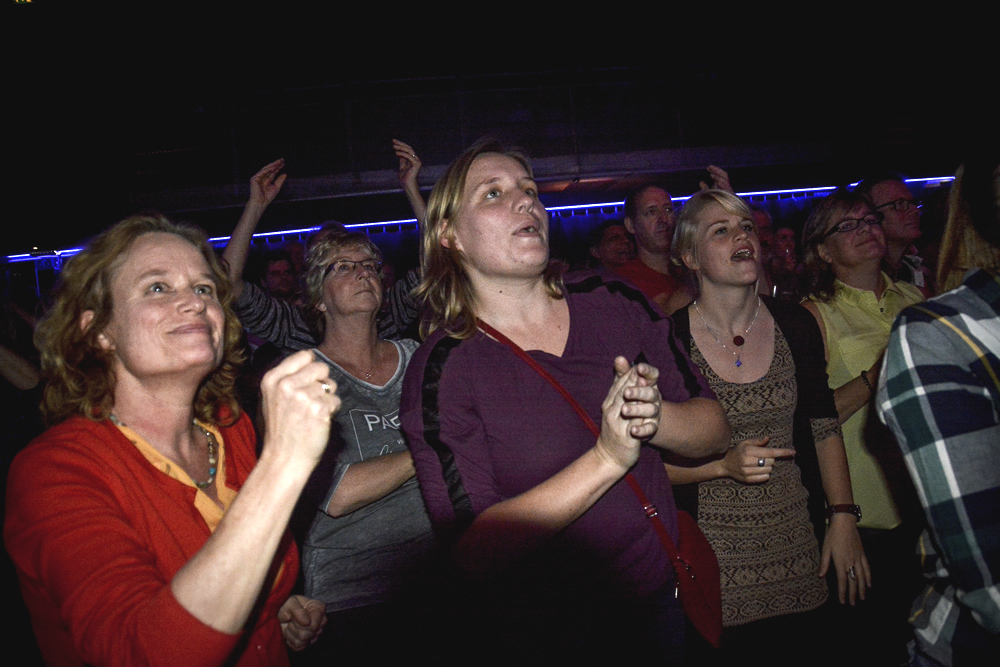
(685, 239)
(80, 372)
(686, 231)
(963, 247)
(445, 289)
(325, 243)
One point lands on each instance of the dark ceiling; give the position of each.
(106, 127)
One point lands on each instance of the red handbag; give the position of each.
(698, 582)
(696, 567)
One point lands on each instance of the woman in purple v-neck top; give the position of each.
(553, 548)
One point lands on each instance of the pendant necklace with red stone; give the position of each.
(738, 340)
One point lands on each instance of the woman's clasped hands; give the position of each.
(631, 412)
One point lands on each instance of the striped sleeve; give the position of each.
(273, 320)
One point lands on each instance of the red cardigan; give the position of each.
(97, 534)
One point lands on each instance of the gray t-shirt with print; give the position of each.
(366, 556)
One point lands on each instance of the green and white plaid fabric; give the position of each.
(939, 392)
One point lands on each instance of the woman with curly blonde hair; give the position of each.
(142, 527)
(80, 371)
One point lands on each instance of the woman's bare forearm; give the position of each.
(220, 585)
(234, 257)
(702, 473)
(695, 428)
(370, 480)
(856, 394)
(833, 469)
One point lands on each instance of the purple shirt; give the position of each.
(484, 427)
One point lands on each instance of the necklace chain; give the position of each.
(213, 457)
(371, 371)
(211, 443)
(738, 341)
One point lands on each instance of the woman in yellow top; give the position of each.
(855, 304)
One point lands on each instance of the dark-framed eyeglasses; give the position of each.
(850, 224)
(345, 267)
(902, 205)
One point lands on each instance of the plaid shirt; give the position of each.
(939, 392)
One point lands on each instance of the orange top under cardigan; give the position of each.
(97, 533)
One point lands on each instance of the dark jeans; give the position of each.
(876, 631)
(790, 640)
(449, 627)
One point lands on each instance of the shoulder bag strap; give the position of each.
(647, 507)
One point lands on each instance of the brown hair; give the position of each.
(631, 204)
(818, 273)
(79, 371)
(445, 289)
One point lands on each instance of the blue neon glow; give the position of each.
(941, 179)
(938, 179)
(380, 224)
(582, 206)
(825, 188)
(615, 204)
(28, 257)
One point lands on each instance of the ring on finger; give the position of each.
(851, 574)
(760, 462)
(326, 386)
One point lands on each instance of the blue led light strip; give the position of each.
(60, 254)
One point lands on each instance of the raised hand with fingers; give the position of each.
(409, 167)
(264, 187)
(752, 461)
(720, 180)
(266, 183)
(409, 163)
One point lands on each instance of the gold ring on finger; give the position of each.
(326, 386)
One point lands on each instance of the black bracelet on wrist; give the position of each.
(845, 509)
(864, 378)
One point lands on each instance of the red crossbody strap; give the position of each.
(648, 508)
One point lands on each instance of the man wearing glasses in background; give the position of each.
(902, 228)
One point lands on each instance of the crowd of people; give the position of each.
(300, 451)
